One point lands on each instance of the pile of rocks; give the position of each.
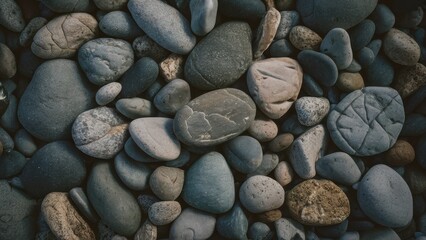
(212, 119)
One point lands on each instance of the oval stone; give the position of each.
(401, 48)
(320, 66)
(368, 121)
(203, 122)
(243, 153)
(193, 224)
(338, 167)
(119, 24)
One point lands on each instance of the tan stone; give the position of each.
(409, 79)
(172, 67)
(318, 203)
(147, 231)
(270, 216)
(283, 173)
(304, 38)
(401, 48)
(281, 142)
(63, 219)
(349, 82)
(400, 154)
(266, 32)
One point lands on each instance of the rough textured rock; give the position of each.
(263, 129)
(11, 16)
(401, 48)
(144, 46)
(266, 32)
(147, 231)
(409, 79)
(164, 212)
(304, 38)
(311, 110)
(172, 67)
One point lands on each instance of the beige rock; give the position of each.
(408, 79)
(270, 216)
(349, 82)
(263, 129)
(63, 219)
(318, 203)
(400, 154)
(165, 212)
(304, 38)
(167, 182)
(281, 142)
(401, 48)
(148, 231)
(266, 32)
(62, 36)
(283, 173)
(172, 67)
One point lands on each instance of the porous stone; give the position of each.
(135, 175)
(173, 96)
(409, 79)
(401, 48)
(270, 216)
(134, 108)
(144, 46)
(164, 212)
(311, 110)
(8, 62)
(319, 66)
(11, 16)
(108, 93)
(147, 231)
(167, 182)
(337, 45)
(338, 167)
(266, 32)
(289, 19)
(119, 24)
(172, 67)
(304, 38)
(203, 16)
(243, 153)
(194, 224)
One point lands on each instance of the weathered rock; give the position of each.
(144, 46)
(266, 32)
(349, 82)
(289, 19)
(311, 110)
(164, 212)
(409, 79)
(147, 231)
(283, 173)
(287, 228)
(172, 67)
(263, 129)
(134, 108)
(11, 16)
(401, 48)
(304, 38)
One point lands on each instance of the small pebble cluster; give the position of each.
(212, 119)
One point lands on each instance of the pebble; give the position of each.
(209, 184)
(203, 16)
(269, 163)
(259, 194)
(385, 197)
(259, 230)
(28, 33)
(306, 150)
(287, 228)
(192, 224)
(135, 175)
(114, 203)
(365, 128)
(263, 129)
(147, 231)
(181, 161)
(375, 46)
(107, 93)
(379, 73)
(283, 173)
(319, 66)
(141, 75)
(221, 58)
(66, 6)
(289, 19)
(11, 16)
(311, 87)
(311, 110)
(243, 153)
(110, 5)
(400, 154)
(318, 203)
(349, 82)
(303, 38)
(415, 178)
(62, 36)
(281, 48)
(145, 202)
(63, 219)
(172, 67)
(316, 14)
(100, 132)
(409, 79)
(401, 48)
(144, 46)
(233, 224)
(11, 163)
(164, 212)
(167, 182)
(248, 10)
(135, 108)
(81, 202)
(270, 216)
(381, 233)
(164, 24)
(203, 122)
(8, 62)
(105, 60)
(119, 24)
(133, 151)
(274, 85)
(9, 119)
(383, 18)
(361, 34)
(6, 140)
(333, 231)
(266, 32)
(64, 163)
(155, 137)
(337, 45)
(365, 57)
(338, 167)
(173, 96)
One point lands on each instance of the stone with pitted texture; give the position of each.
(304, 38)
(266, 32)
(401, 48)
(311, 110)
(11, 16)
(410, 78)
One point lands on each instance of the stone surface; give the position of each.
(25, 143)
(56, 95)
(383, 18)
(173, 96)
(289, 19)
(105, 60)
(11, 163)
(263, 129)
(304, 38)
(100, 132)
(400, 154)
(379, 73)
(203, 15)
(147, 231)
(319, 66)
(287, 228)
(8, 62)
(311, 110)
(63, 219)
(82, 204)
(155, 137)
(318, 203)
(209, 184)
(260, 194)
(281, 142)
(338, 167)
(192, 224)
(135, 108)
(109, 5)
(348, 82)
(283, 173)
(221, 57)
(361, 34)
(266, 32)
(164, 212)
(144, 46)
(134, 151)
(119, 24)
(337, 45)
(385, 197)
(135, 175)
(381, 233)
(243, 153)
(172, 67)
(66, 6)
(139, 77)
(259, 230)
(233, 224)
(108, 93)
(11, 16)
(167, 182)
(203, 122)
(28, 33)
(269, 162)
(401, 48)
(164, 24)
(274, 85)
(62, 36)
(367, 122)
(409, 79)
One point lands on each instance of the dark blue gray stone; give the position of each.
(9, 119)
(293, 126)
(243, 153)
(361, 34)
(69, 6)
(410, 19)
(193, 224)
(56, 95)
(144, 46)
(249, 10)
(365, 57)
(28, 63)
(135, 175)
(333, 231)
(83, 205)
(181, 161)
(385, 197)
(11, 16)
(139, 77)
(354, 67)
(172, 97)
(134, 108)
(383, 18)
(288, 228)
(209, 184)
(113, 202)
(350, 236)
(311, 87)
(8, 62)
(269, 162)
(119, 24)
(221, 57)
(379, 73)
(414, 125)
(164, 24)
(281, 48)
(260, 231)
(375, 46)
(233, 224)
(56, 167)
(289, 19)
(380, 233)
(320, 66)
(24, 143)
(337, 45)
(6, 140)
(338, 167)
(203, 16)
(11, 163)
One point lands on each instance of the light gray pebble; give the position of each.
(243, 153)
(164, 212)
(108, 93)
(193, 224)
(173, 96)
(288, 228)
(203, 15)
(135, 175)
(311, 110)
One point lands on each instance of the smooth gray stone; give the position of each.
(337, 45)
(243, 153)
(100, 132)
(410, 19)
(153, 90)
(25, 143)
(11, 16)
(320, 66)
(379, 73)
(144, 46)
(381, 233)
(83, 205)
(167, 182)
(18, 220)
(414, 125)
(203, 122)
(203, 15)
(105, 60)
(11, 163)
(288, 228)
(139, 77)
(289, 19)
(293, 126)
(338, 167)
(107, 93)
(115, 205)
(134, 151)
(182, 160)
(311, 87)
(164, 212)
(192, 224)
(354, 67)
(365, 57)
(361, 34)
(311, 110)
(134, 108)
(209, 184)
(269, 162)
(110, 5)
(173, 96)
(281, 48)
(221, 58)
(260, 231)
(55, 96)
(368, 121)
(385, 197)
(233, 224)
(27, 34)
(315, 14)
(135, 175)
(119, 24)
(67, 6)
(249, 10)
(9, 119)
(6, 140)
(383, 18)
(333, 231)
(375, 46)
(56, 167)
(164, 24)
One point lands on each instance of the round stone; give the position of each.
(11, 163)
(164, 212)
(304, 38)
(203, 16)
(367, 122)
(311, 110)
(261, 193)
(135, 175)
(144, 46)
(65, 6)
(110, 5)
(400, 154)
(319, 66)
(263, 129)
(269, 162)
(193, 224)
(338, 167)
(289, 19)
(361, 34)
(25, 143)
(8, 62)
(233, 224)
(266, 32)
(379, 73)
(260, 230)
(337, 45)
(108, 93)
(11, 16)
(167, 182)
(385, 197)
(318, 203)
(119, 24)
(348, 82)
(401, 48)
(173, 96)
(383, 18)
(28, 33)
(243, 153)
(281, 142)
